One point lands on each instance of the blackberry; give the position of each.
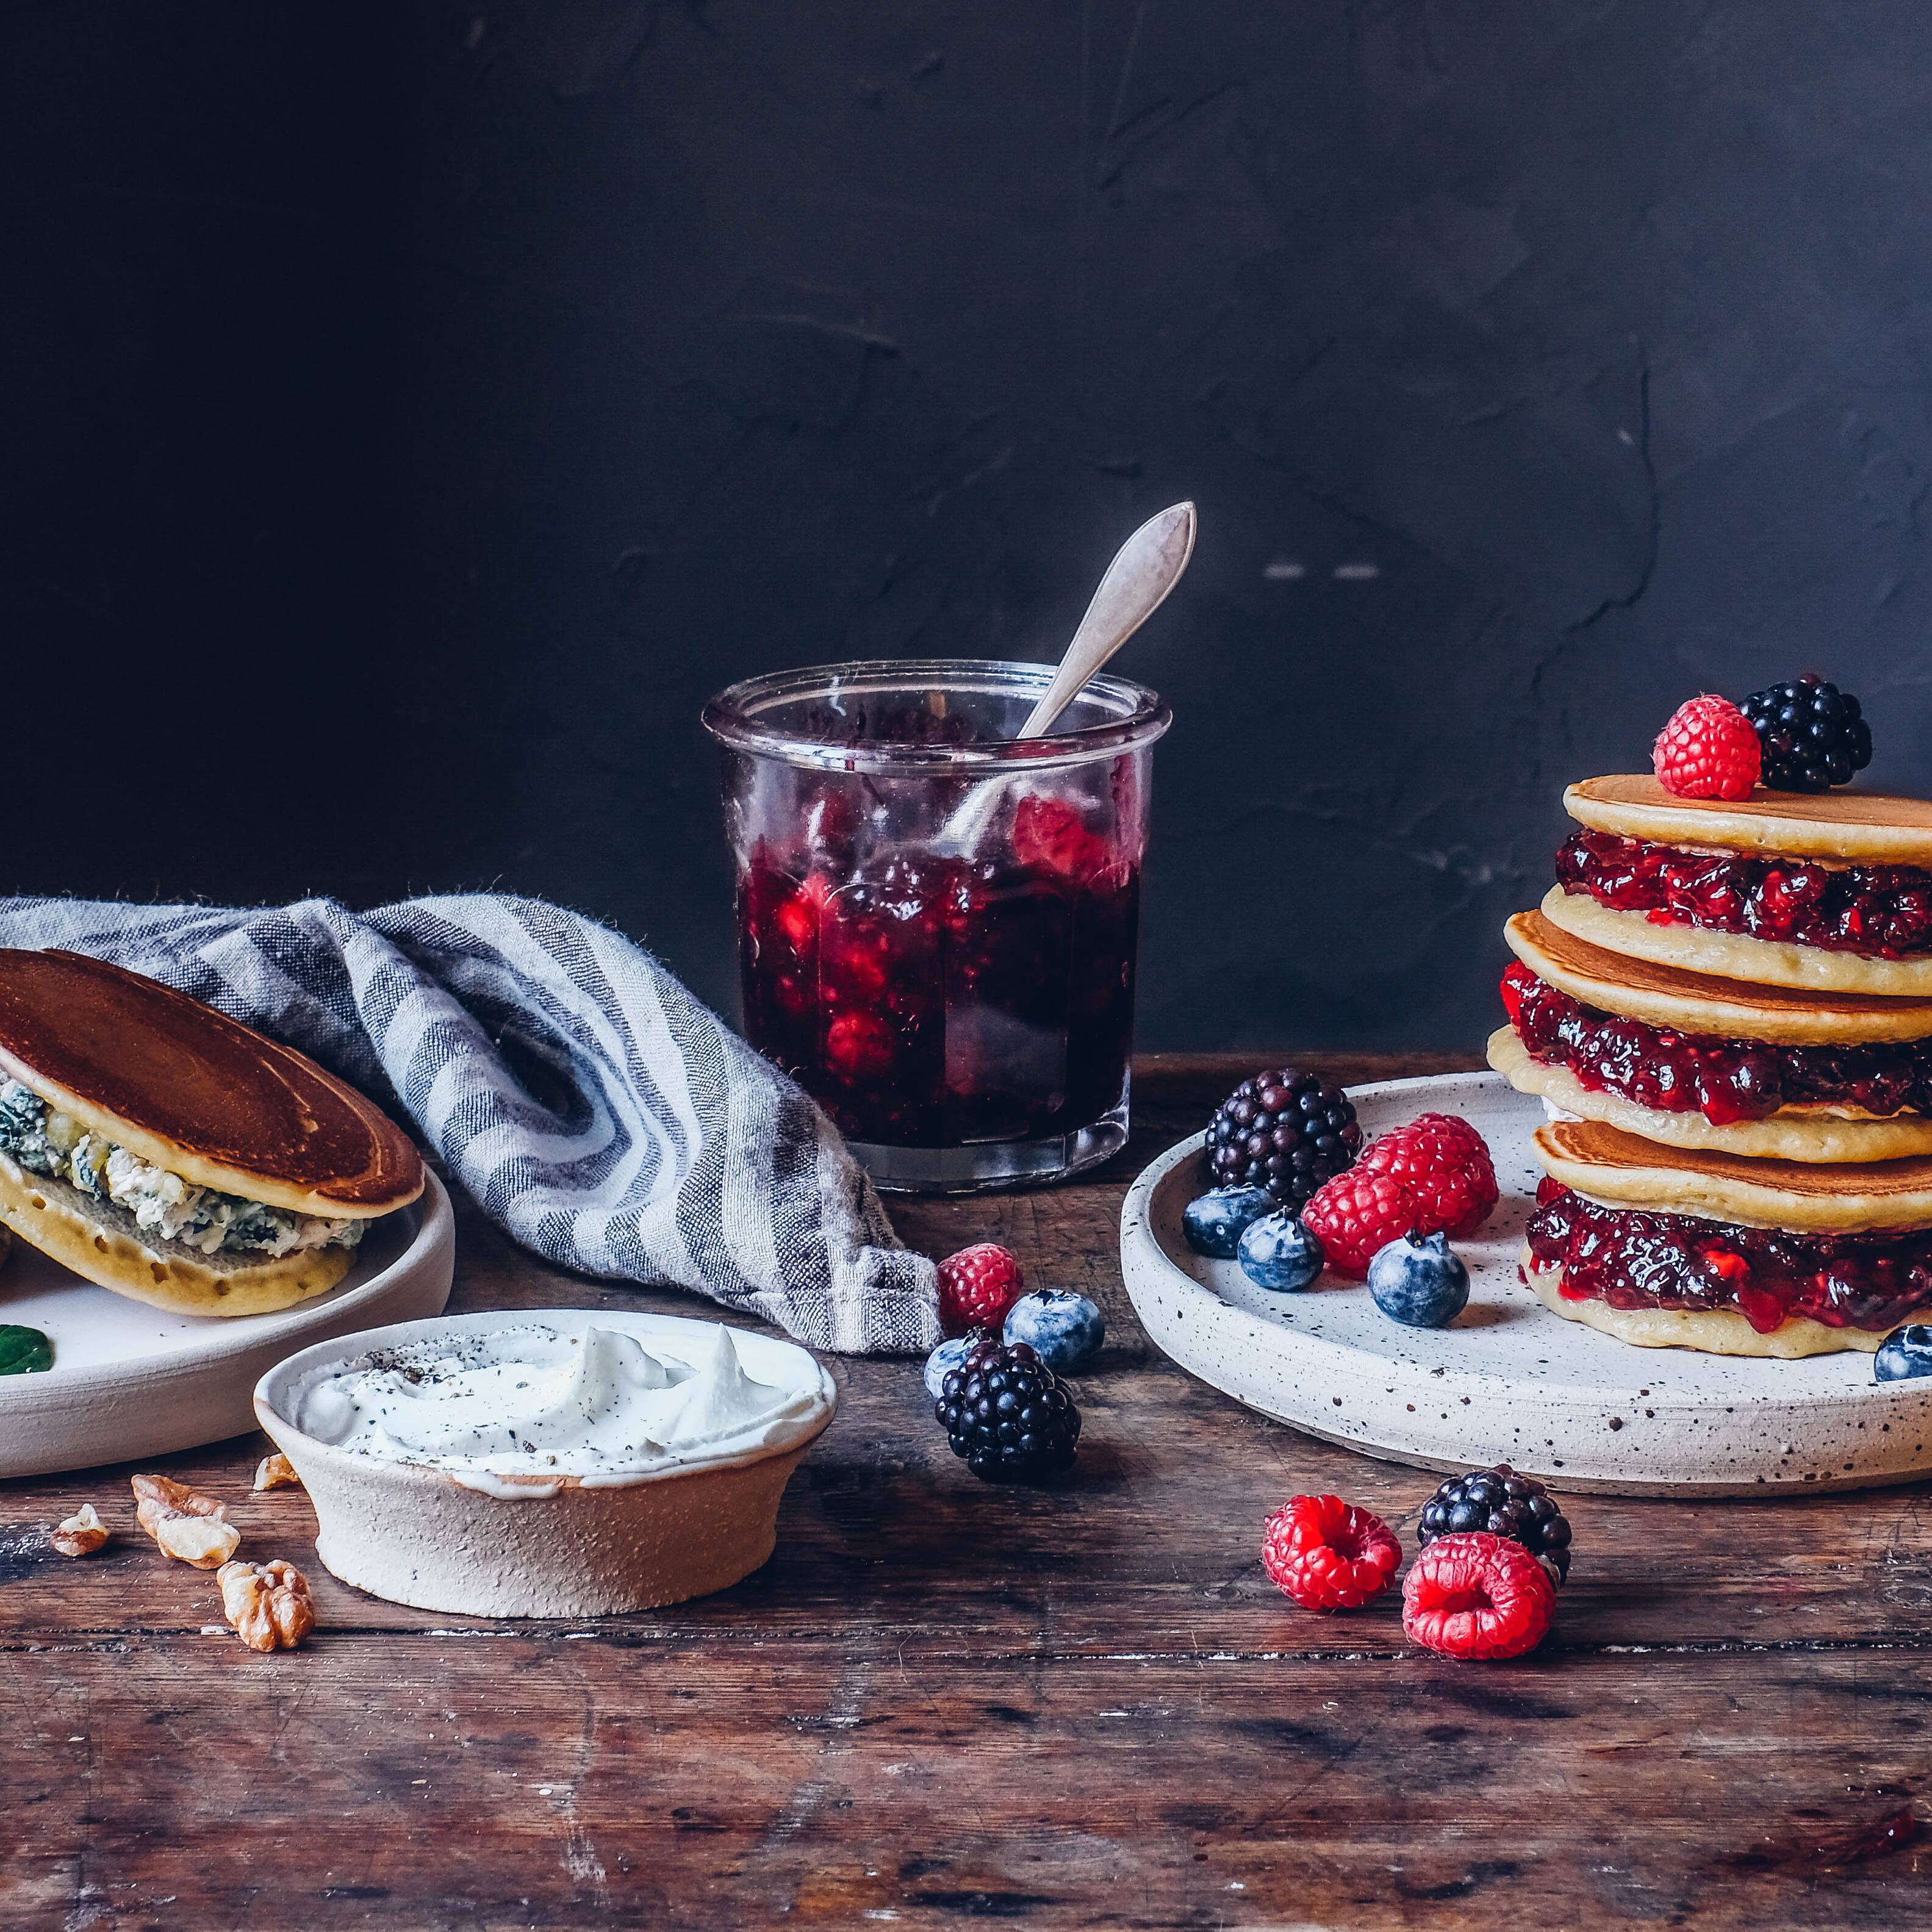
(1285, 1131)
(1504, 1503)
(1811, 734)
(1009, 1417)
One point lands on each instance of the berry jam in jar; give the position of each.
(937, 921)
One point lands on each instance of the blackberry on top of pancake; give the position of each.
(160, 1149)
(1692, 1061)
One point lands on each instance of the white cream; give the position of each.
(527, 1400)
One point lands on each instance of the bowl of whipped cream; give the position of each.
(553, 1462)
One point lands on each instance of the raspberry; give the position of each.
(1477, 1596)
(976, 1287)
(1327, 1555)
(1445, 1164)
(1048, 832)
(1709, 749)
(1357, 1213)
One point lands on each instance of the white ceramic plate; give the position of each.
(129, 1380)
(1508, 1381)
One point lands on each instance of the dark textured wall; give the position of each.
(409, 419)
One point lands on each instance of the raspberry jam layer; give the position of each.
(1883, 911)
(1629, 1259)
(1724, 1080)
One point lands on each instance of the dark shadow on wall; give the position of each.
(411, 418)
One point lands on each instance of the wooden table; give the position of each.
(943, 1701)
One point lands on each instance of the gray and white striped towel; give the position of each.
(595, 1111)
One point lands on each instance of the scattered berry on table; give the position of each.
(1707, 750)
(1009, 1416)
(1812, 735)
(1064, 1330)
(1445, 1164)
(1420, 1281)
(1278, 1252)
(1284, 1130)
(1213, 1222)
(1904, 1353)
(1357, 1215)
(949, 1355)
(1328, 1555)
(1477, 1596)
(1502, 1503)
(976, 1287)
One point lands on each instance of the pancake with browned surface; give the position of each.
(1852, 826)
(1697, 1003)
(1731, 955)
(1813, 1133)
(162, 1150)
(1604, 1164)
(196, 1093)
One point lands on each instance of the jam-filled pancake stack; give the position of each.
(1725, 1004)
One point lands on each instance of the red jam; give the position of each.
(1631, 1259)
(930, 1002)
(1724, 1080)
(1882, 910)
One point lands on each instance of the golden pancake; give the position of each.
(1695, 1003)
(189, 1089)
(1814, 1134)
(1619, 1170)
(1852, 826)
(103, 1243)
(1711, 1331)
(1731, 955)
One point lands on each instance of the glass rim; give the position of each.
(731, 716)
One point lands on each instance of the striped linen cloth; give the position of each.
(595, 1111)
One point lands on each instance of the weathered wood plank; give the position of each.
(403, 1782)
(1081, 1706)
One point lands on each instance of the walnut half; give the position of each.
(82, 1534)
(269, 1603)
(188, 1527)
(275, 1472)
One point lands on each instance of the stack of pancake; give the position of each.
(1726, 1007)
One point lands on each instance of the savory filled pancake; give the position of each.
(162, 1150)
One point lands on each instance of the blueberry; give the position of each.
(947, 1355)
(1214, 1221)
(1904, 1353)
(1064, 1330)
(1278, 1252)
(1419, 1282)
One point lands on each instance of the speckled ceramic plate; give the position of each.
(1508, 1381)
(129, 1380)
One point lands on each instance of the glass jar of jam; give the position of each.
(936, 921)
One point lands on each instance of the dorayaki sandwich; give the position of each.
(162, 1150)
(1829, 895)
(1672, 1247)
(1692, 1061)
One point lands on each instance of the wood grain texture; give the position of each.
(1083, 1705)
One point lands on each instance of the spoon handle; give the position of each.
(1145, 568)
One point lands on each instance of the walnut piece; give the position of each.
(82, 1534)
(269, 1603)
(276, 1472)
(189, 1528)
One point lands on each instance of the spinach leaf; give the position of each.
(23, 1352)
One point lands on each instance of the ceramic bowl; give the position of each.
(541, 1546)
